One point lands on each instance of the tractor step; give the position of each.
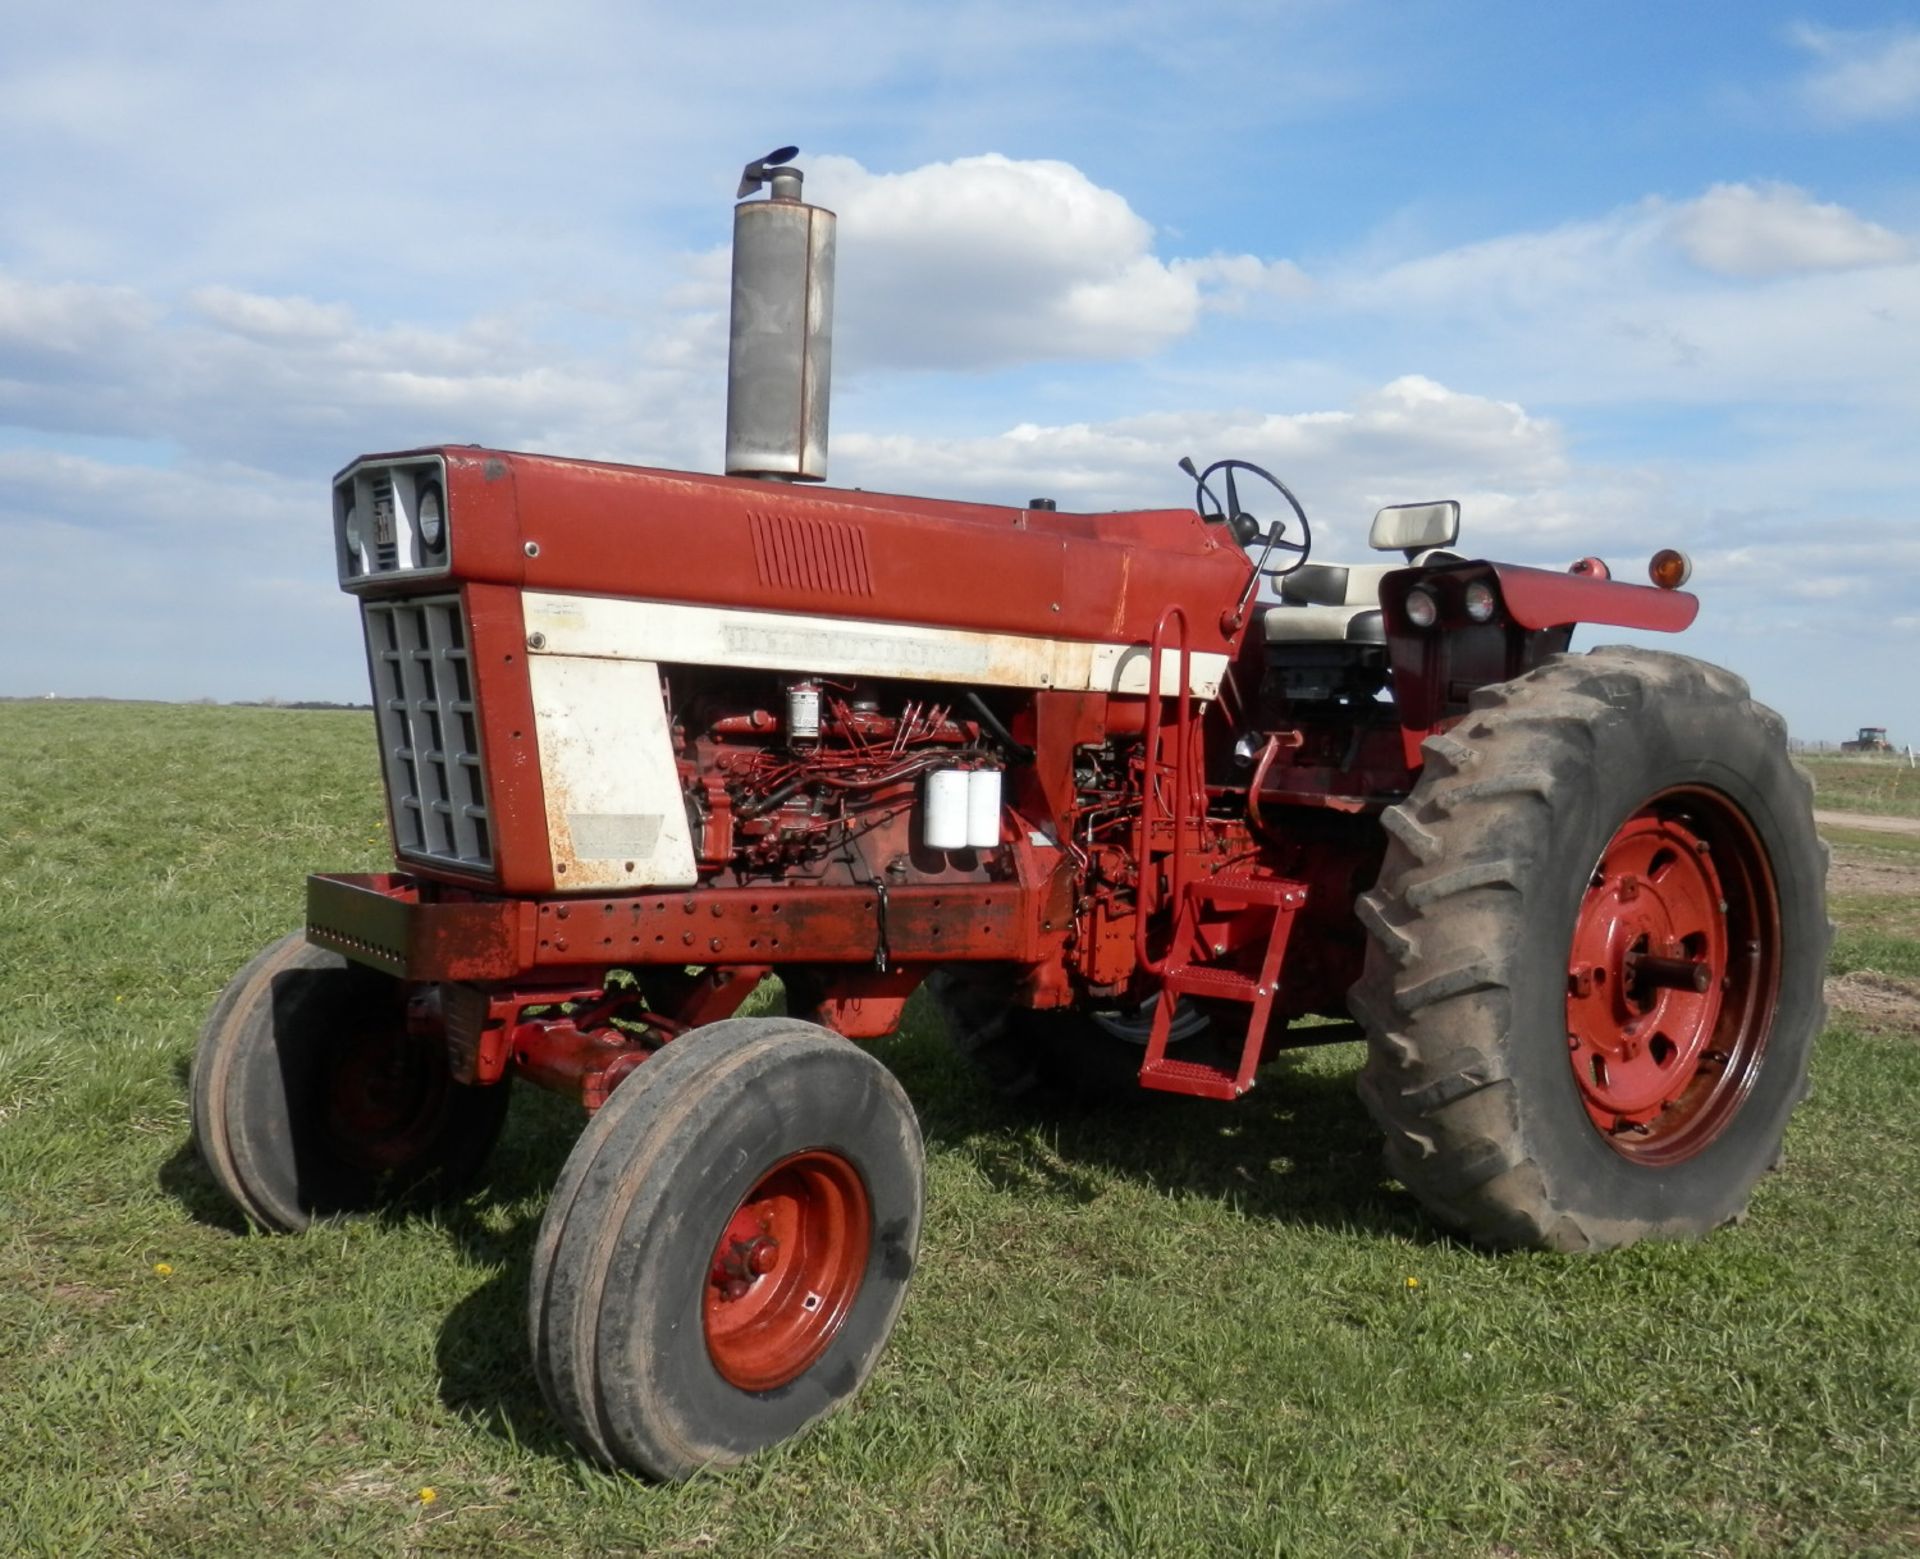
(1197, 1079)
(1201, 980)
(1188, 972)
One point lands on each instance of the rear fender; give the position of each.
(1436, 669)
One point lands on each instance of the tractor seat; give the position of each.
(1324, 603)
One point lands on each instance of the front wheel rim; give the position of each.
(787, 1270)
(1673, 976)
(385, 1099)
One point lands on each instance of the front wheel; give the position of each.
(1597, 950)
(728, 1247)
(309, 1096)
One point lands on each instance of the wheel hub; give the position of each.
(1667, 999)
(386, 1093)
(786, 1270)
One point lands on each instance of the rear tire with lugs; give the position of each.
(1596, 956)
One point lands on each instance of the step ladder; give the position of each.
(1190, 971)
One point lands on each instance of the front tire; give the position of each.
(309, 1096)
(1596, 956)
(728, 1248)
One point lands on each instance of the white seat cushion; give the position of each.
(1336, 584)
(1324, 625)
(1325, 603)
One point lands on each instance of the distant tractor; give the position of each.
(1872, 738)
(652, 738)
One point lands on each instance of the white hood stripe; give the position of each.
(605, 628)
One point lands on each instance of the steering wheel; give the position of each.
(1241, 522)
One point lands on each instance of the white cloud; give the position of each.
(982, 263)
(1408, 440)
(294, 385)
(988, 261)
(202, 580)
(1515, 271)
(1743, 231)
(1743, 296)
(65, 318)
(1861, 75)
(1777, 230)
(271, 319)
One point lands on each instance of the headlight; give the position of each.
(432, 518)
(390, 516)
(1479, 601)
(1422, 611)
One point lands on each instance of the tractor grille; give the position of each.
(429, 732)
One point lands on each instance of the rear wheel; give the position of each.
(1597, 949)
(1064, 1055)
(310, 1097)
(728, 1247)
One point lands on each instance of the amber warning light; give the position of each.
(1669, 568)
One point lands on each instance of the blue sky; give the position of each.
(1616, 277)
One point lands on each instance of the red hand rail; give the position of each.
(1182, 781)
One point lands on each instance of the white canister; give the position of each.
(803, 712)
(945, 824)
(983, 809)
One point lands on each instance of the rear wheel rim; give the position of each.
(1673, 976)
(786, 1270)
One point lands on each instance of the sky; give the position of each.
(1614, 277)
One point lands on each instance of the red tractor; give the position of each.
(650, 738)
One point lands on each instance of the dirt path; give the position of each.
(1879, 1001)
(1872, 822)
(1854, 872)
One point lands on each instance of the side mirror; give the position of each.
(1413, 527)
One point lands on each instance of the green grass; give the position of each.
(1876, 931)
(1883, 785)
(1874, 843)
(1180, 1328)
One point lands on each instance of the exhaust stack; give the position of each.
(780, 341)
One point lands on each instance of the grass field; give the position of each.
(1184, 1328)
(1883, 785)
